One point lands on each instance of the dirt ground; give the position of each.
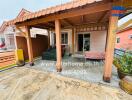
(30, 84)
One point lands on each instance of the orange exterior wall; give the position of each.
(39, 44)
(125, 41)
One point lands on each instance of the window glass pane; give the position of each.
(86, 35)
(62, 39)
(2, 42)
(118, 40)
(130, 36)
(66, 38)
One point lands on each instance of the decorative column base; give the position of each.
(106, 79)
(31, 63)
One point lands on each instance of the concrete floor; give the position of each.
(91, 71)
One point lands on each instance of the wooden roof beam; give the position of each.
(40, 26)
(22, 32)
(51, 24)
(87, 25)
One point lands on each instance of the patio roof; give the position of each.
(56, 9)
(79, 12)
(2, 27)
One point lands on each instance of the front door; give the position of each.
(83, 42)
(80, 42)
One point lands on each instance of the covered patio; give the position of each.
(90, 71)
(94, 21)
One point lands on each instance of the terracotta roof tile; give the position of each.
(3, 26)
(55, 9)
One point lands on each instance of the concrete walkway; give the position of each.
(79, 69)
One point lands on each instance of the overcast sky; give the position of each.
(9, 9)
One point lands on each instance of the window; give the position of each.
(130, 36)
(64, 38)
(2, 42)
(118, 40)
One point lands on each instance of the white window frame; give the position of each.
(130, 36)
(64, 38)
(83, 39)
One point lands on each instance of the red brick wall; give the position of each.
(125, 41)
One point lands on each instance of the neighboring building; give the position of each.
(8, 34)
(2, 37)
(124, 36)
(124, 39)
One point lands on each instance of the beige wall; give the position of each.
(97, 40)
(69, 31)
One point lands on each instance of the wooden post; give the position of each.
(29, 45)
(15, 40)
(48, 38)
(76, 41)
(110, 47)
(73, 40)
(58, 45)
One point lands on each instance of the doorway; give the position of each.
(83, 42)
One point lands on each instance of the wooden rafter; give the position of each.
(51, 24)
(103, 16)
(68, 22)
(40, 27)
(43, 26)
(88, 25)
(82, 18)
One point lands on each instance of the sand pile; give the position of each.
(30, 84)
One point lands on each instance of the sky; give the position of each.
(9, 9)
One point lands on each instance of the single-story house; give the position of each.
(82, 25)
(124, 36)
